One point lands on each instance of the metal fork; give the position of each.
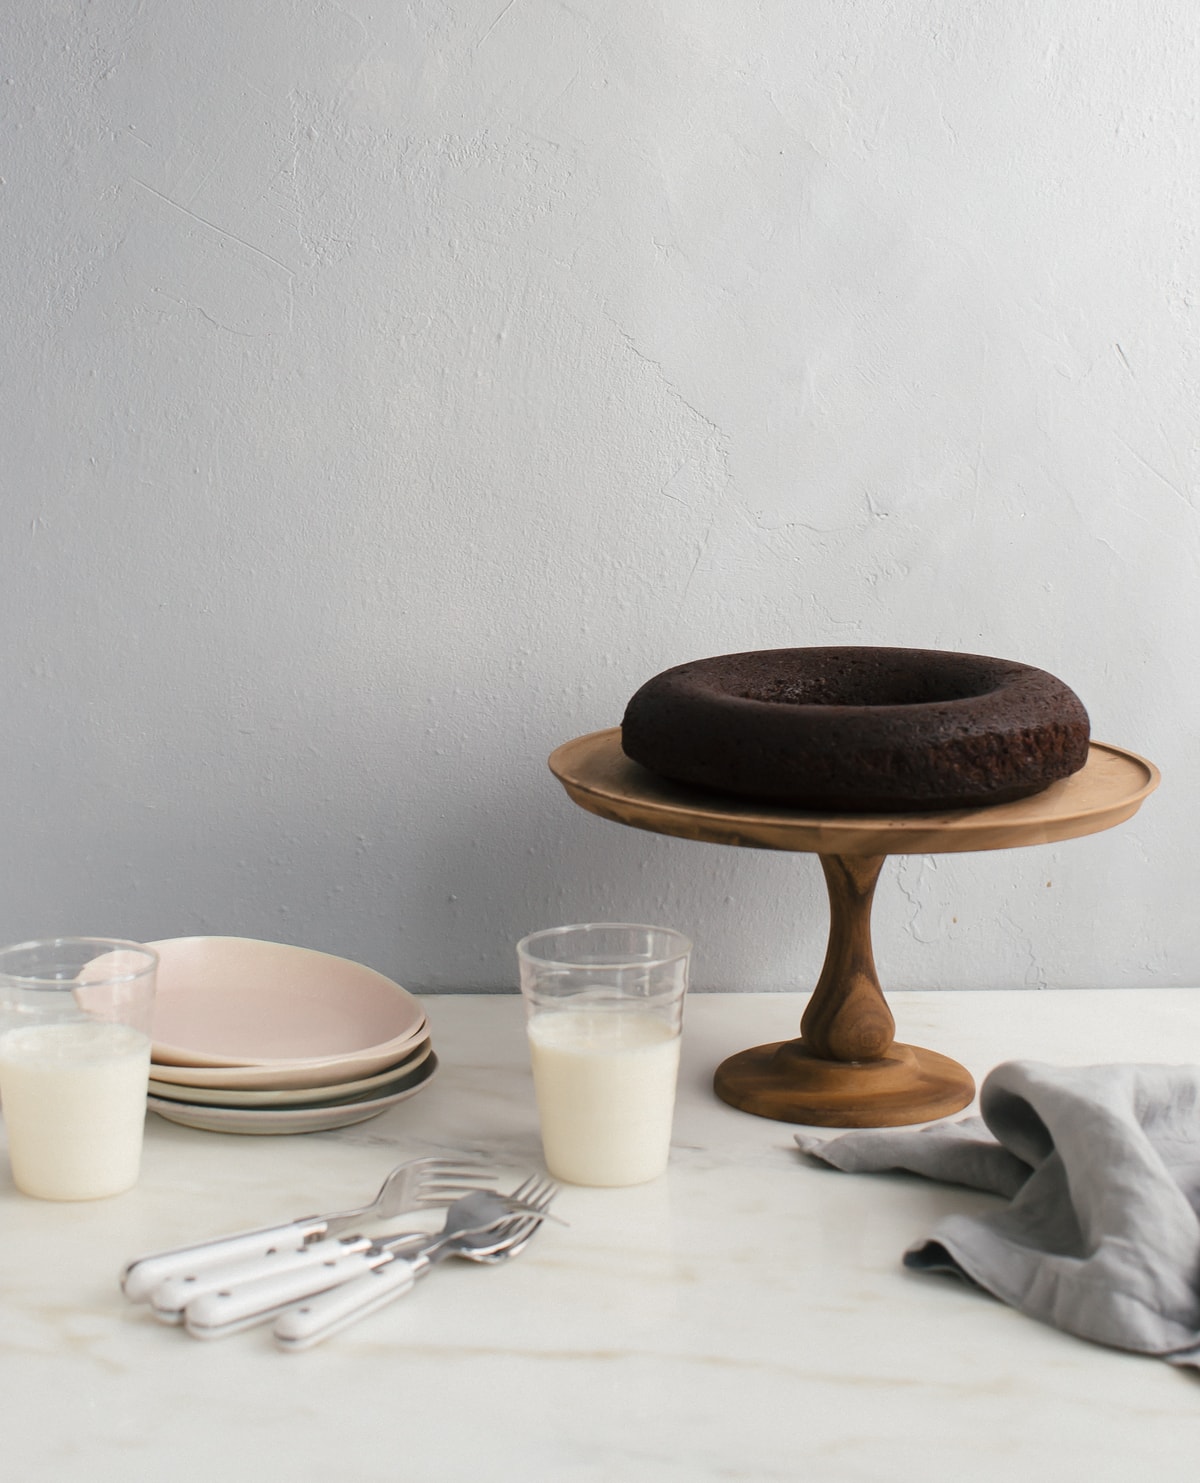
(326, 1313)
(234, 1307)
(413, 1185)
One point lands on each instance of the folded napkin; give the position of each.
(1100, 1166)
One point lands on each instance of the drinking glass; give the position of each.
(604, 1013)
(75, 1032)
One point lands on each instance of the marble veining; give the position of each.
(745, 1317)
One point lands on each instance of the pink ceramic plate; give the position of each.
(171, 1085)
(236, 1002)
(285, 1076)
(293, 1119)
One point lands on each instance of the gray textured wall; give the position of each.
(390, 389)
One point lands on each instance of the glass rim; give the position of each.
(657, 961)
(104, 945)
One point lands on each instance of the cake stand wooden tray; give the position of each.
(846, 1069)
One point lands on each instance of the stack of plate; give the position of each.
(260, 1037)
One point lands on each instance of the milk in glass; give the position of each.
(73, 1097)
(604, 1079)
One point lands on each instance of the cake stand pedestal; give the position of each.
(846, 1069)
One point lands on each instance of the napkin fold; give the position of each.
(1100, 1167)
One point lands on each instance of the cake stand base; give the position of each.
(787, 1083)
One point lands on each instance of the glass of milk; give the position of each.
(75, 1032)
(604, 1013)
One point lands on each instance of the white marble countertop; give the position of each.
(746, 1317)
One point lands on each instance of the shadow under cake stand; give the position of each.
(846, 1070)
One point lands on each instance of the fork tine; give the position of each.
(445, 1196)
(441, 1180)
(479, 1181)
(536, 1189)
(520, 1229)
(448, 1169)
(484, 1181)
(528, 1193)
(535, 1195)
(542, 1193)
(539, 1193)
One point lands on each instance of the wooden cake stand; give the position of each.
(846, 1070)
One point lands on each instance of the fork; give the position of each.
(232, 1308)
(328, 1312)
(412, 1185)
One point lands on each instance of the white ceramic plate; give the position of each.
(288, 1097)
(235, 1001)
(291, 1119)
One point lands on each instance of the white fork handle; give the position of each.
(329, 1312)
(232, 1309)
(143, 1275)
(171, 1297)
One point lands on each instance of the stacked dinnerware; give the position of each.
(262, 1037)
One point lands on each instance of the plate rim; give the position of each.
(287, 1076)
(319, 1119)
(264, 1097)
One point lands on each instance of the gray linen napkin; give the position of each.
(1101, 1169)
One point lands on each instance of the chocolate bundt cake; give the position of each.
(859, 730)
